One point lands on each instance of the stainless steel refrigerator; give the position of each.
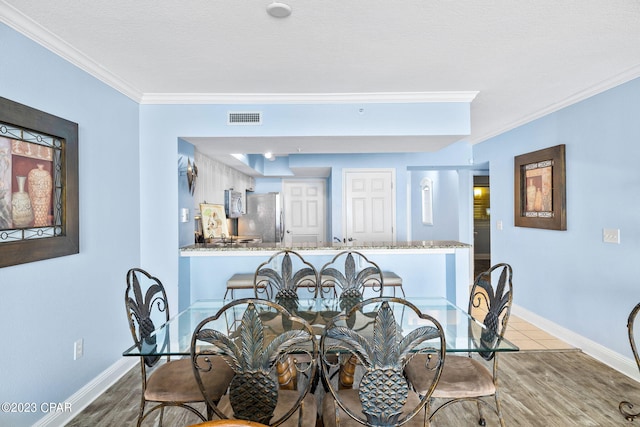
(264, 217)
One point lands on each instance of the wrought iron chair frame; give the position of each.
(385, 350)
(626, 407)
(271, 284)
(501, 310)
(138, 314)
(351, 282)
(280, 361)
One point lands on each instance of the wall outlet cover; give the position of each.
(611, 235)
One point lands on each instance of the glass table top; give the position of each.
(462, 332)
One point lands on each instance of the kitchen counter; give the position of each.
(427, 268)
(265, 249)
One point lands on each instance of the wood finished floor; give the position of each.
(539, 388)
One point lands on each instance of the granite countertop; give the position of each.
(258, 247)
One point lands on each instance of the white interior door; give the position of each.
(369, 205)
(304, 211)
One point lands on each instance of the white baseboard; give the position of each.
(87, 394)
(625, 365)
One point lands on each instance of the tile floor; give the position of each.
(522, 333)
(529, 337)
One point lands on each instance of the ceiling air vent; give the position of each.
(245, 118)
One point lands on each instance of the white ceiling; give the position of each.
(525, 58)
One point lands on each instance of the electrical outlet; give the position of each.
(499, 225)
(611, 235)
(78, 349)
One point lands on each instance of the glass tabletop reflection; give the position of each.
(462, 332)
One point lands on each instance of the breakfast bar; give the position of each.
(439, 268)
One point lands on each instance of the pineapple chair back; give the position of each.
(285, 278)
(165, 382)
(349, 274)
(371, 388)
(464, 378)
(626, 407)
(266, 387)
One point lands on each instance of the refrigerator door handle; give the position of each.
(281, 226)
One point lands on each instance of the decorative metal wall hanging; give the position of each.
(38, 185)
(192, 175)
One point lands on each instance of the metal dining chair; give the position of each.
(171, 383)
(626, 407)
(262, 351)
(463, 377)
(372, 389)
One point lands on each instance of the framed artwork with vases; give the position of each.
(540, 189)
(38, 185)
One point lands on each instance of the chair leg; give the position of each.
(481, 420)
(142, 404)
(499, 409)
(427, 412)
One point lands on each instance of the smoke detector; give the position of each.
(279, 10)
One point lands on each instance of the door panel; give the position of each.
(304, 209)
(378, 221)
(369, 205)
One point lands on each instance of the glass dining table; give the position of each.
(463, 333)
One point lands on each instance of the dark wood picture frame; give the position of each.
(540, 189)
(65, 241)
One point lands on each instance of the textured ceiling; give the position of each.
(525, 58)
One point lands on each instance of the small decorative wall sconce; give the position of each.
(426, 190)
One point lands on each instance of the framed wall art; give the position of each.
(214, 221)
(38, 185)
(540, 194)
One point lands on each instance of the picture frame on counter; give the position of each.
(540, 189)
(39, 216)
(214, 221)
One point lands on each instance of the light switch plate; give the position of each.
(611, 235)
(78, 349)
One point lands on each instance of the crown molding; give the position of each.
(307, 98)
(624, 77)
(31, 29)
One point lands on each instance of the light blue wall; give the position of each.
(46, 306)
(445, 206)
(571, 277)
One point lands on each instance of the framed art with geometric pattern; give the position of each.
(38, 185)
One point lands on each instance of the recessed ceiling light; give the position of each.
(279, 10)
